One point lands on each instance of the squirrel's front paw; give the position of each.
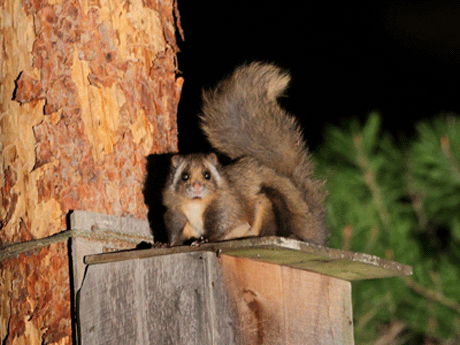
(199, 241)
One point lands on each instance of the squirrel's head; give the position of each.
(195, 176)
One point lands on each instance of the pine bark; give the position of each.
(88, 89)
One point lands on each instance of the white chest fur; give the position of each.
(194, 213)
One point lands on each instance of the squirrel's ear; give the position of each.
(212, 158)
(176, 160)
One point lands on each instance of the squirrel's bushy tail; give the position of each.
(241, 117)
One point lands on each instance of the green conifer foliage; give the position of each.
(400, 201)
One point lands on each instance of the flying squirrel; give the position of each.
(268, 189)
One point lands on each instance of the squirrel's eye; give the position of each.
(207, 175)
(185, 176)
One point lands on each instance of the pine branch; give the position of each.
(390, 336)
(445, 145)
(417, 203)
(432, 295)
(370, 180)
(370, 314)
(408, 191)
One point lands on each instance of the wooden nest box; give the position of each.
(268, 290)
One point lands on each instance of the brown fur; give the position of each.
(269, 189)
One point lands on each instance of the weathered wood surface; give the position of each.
(199, 298)
(280, 305)
(152, 301)
(87, 90)
(283, 251)
(103, 241)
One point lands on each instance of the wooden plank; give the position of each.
(280, 305)
(107, 305)
(317, 308)
(158, 300)
(86, 220)
(176, 300)
(256, 290)
(199, 298)
(283, 251)
(92, 221)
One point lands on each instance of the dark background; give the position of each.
(346, 59)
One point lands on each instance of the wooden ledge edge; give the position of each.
(283, 251)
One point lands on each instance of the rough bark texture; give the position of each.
(35, 297)
(87, 90)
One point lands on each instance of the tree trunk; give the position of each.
(88, 89)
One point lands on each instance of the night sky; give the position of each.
(346, 59)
